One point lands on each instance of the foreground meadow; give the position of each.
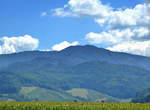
(71, 106)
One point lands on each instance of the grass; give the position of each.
(71, 106)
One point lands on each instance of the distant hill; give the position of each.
(93, 96)
(96, 70)
(75, 55)
(142, 96)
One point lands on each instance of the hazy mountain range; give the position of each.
(83, 73)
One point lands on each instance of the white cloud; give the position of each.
(139, 48)
(18, 44)
(128, 30)
(138, 16)
(118, 36)
(78, 8)
(63, 45)
(120, 26)
(102, 38)
(104, 14)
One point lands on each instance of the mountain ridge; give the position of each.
(118, 75)
(80, 54)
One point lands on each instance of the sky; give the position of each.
(117, 25)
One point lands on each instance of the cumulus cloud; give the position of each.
(78, 8)
(63, 45)
(119, 36)
(105, 15)
(18, 44)
(140, 48)
(138, 16)
(120, 26)
(128, 30)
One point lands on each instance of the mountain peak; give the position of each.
(85, 51)
(83, 47)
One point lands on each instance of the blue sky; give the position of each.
(23, 17)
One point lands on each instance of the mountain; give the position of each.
(96, 70)
(75, 55)
(142, 96)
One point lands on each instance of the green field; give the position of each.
(71, 106)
